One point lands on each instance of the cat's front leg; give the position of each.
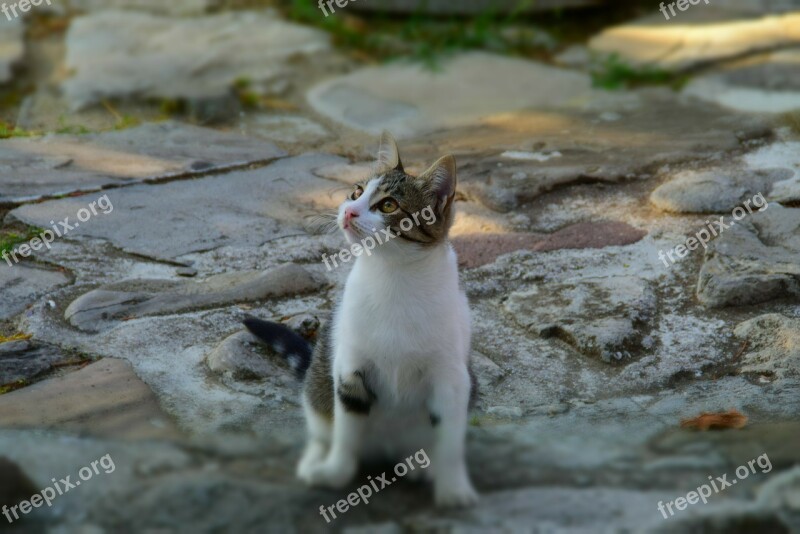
(353, 402)
(448, 406)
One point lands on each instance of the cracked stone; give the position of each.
(100, 308)
(773, 345)
(603, 318)
(754, 261)
(718, 190)
(61, 164)
(243, 208)
(21, 286)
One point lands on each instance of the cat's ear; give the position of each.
(441, 178)
(388, 155)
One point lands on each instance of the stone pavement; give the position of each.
(589, 349)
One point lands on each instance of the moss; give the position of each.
(8, 131)
(10, 239)
(13, 386)
(612, 73)
(15, 337)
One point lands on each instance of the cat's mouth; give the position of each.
(353, 229)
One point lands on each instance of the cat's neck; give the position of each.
(436, 259)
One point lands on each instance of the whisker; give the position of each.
(322, 223)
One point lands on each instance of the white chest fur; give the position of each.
(408, 320)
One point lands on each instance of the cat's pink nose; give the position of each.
(349, 213)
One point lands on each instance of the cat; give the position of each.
(390, 373)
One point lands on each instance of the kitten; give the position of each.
(390, 373)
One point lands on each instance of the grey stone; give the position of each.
(753, 261)
(243, 358)
(786, 155)
(764, 84)
(186, 272)
(25, 360)
(196, 59)
(287, 129)
(244, 208)
(142, 298)
(694, 37)
(718, 190)
(773, 345)
(61, 164)
(591, 149)
(408, 99)
(603, 318)
(175, 7)
(21, 286)
(782, 492)
(12, 47)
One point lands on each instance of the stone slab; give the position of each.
(410, 99)
(697, 36)
(24, 360)
(142, 298)
(135, 55)
(170, 220)
(717, 190)
(62, 164)
(754, 261)
(21, 285)
(767, 83)
(104, 399)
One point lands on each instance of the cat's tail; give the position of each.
(283, 340)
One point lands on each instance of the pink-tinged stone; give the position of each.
(599, 234)
(475, 250)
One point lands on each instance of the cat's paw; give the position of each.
(313, 456)
(330, 474)
(455, 495)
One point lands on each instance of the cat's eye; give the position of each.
(389, 205)
(357, 193)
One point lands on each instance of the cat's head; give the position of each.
(418, 211)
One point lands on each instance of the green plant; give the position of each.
(10, 239)
(613, 73)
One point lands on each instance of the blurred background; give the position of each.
(618, 365)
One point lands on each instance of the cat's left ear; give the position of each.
(442, 181)
(388, 154)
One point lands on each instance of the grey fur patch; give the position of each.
(319, 379)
